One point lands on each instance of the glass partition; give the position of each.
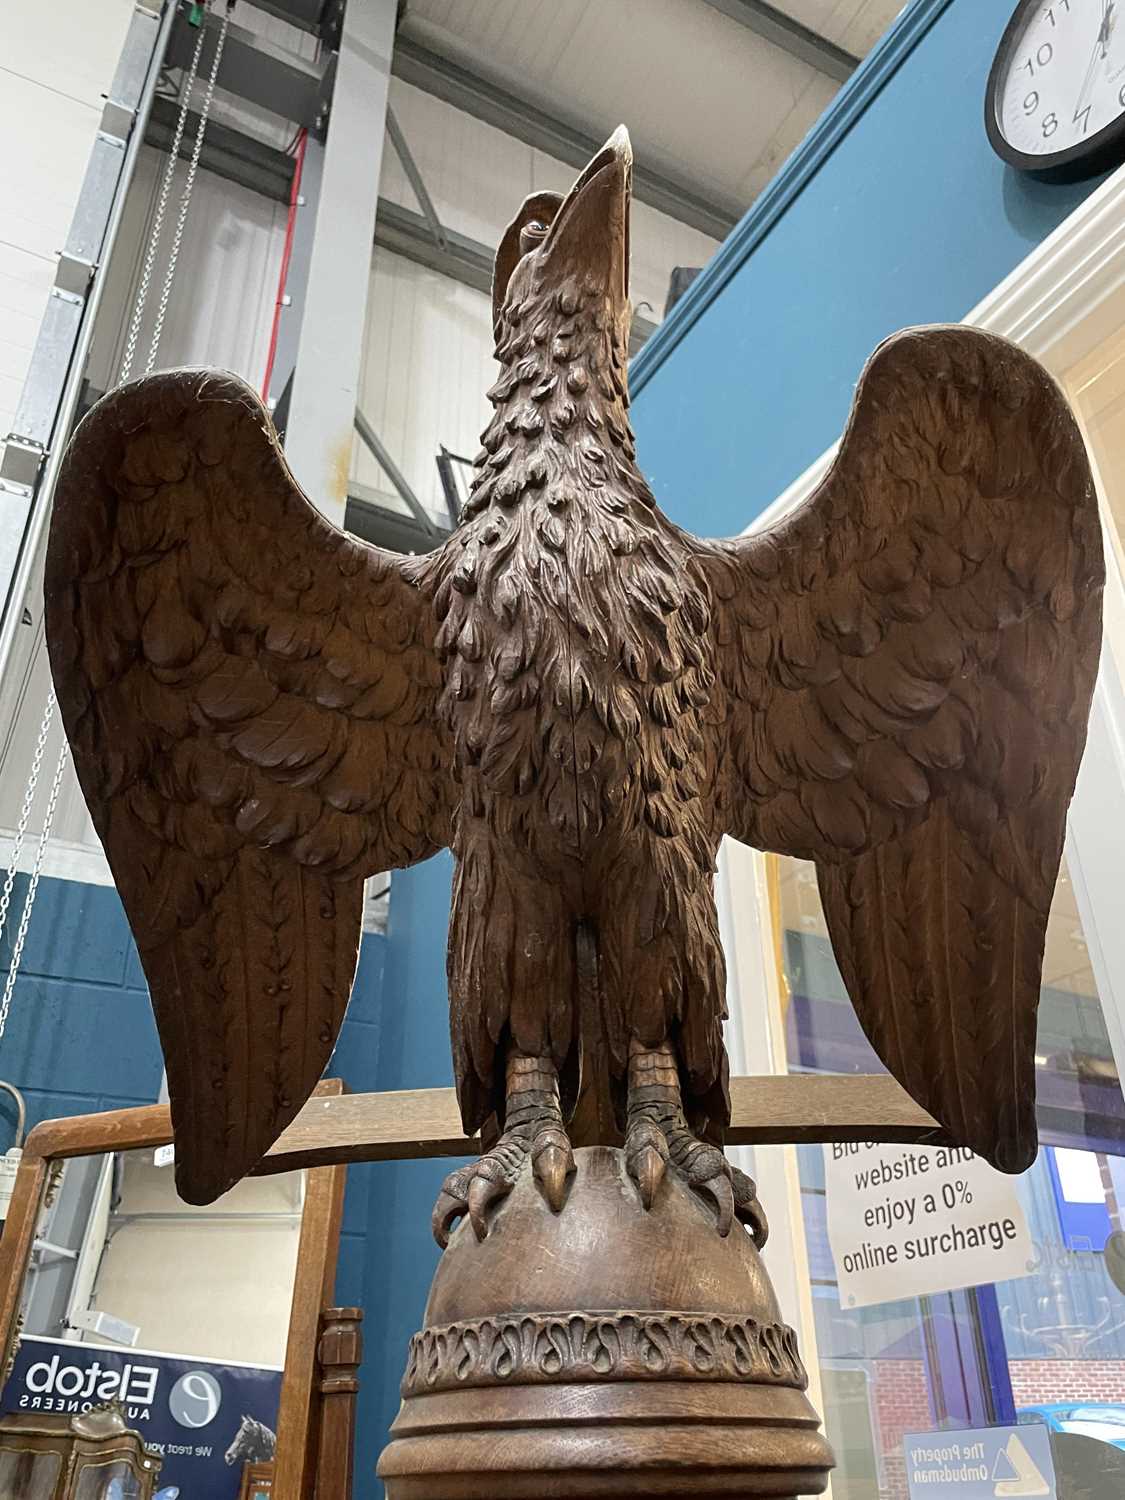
(1046, 1348)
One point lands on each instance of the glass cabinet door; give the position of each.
(28, 1476)
(108, 1481)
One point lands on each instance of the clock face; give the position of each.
(1057, 91)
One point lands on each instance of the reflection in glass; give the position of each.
(28, 1476)
(1039, 1349)
(214, 1282)
(114, 1481)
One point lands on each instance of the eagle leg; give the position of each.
(658, 1133)
(533, 1127)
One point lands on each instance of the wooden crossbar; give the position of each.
(798, 1109)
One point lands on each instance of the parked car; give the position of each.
(1103, 1420)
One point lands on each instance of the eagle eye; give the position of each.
(531, 234)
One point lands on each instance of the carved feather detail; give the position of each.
(932, 617)
(250, 696)
(581, 699)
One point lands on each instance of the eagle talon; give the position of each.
(658, 1134)
(719, 1190)
(552, 1161)
(646, 1157)
(447, 1210)
(747, 1209)
(534, 1128)
(482, 1195)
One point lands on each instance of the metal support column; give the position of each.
(325, 391)
(51, 389)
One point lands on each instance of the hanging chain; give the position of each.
(25, 811)
(126, 366)
(189, 182)
(158, 218)
(36, 869)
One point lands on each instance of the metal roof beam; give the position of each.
(253, 68)
(415, 178)
(307, 15)
(404, 232)
(519, 117)
(228, 153)
(800, 41)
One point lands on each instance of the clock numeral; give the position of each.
(1062, 5)
(1031, 103)
(1121, 96)
(1050, 124)
(1083, 116)
(1042, 57)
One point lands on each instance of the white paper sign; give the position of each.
(905, 1220)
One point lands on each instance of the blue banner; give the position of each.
(206, 1417)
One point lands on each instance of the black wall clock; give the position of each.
(1055, 102)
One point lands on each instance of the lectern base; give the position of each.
(603, 1351)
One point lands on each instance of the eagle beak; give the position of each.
(589, 236)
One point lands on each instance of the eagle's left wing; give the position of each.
(251, 699)
(906, 665)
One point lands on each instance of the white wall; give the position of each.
(426, 366)
(57, 57)
(225, 286)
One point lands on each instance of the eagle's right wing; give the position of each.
(250, 698)
(908, 661)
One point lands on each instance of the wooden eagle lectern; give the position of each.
(580, 700)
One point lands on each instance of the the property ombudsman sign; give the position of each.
(980, 1463)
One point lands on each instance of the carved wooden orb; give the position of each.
(604, 1350)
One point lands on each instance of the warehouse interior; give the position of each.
(310, 194)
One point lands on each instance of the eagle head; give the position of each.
(560, 303)
(574, 250)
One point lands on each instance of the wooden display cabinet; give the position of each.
(90, 1456)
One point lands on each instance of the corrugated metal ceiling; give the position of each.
(704, 96)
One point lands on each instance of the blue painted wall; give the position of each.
(80, 1035)
(388, 1255)
(908, 218)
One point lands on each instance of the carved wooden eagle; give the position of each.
(580, 699)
